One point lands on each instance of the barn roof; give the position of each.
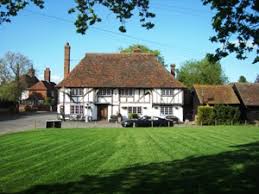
(121, 70)
(248, 93)
(216, 94)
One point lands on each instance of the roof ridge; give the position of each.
(131, 53)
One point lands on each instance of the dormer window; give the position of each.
(76, 91)
(167, 92)
(104, 92)
(126, 92)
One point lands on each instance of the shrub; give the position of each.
(225, 114)
(205, 115)
(133, 116)
(219, 114)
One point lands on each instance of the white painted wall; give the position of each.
(150, 103)
(25, 95)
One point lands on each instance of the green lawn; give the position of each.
(223, 159)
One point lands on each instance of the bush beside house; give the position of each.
(219, 114)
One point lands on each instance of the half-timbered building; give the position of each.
(104, 84)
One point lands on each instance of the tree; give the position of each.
(201, 72)
(257, 79)
(236, 25)
(86, 11)
(12, 66)
(242, 79)
(144, 49)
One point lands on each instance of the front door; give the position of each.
(102, 112)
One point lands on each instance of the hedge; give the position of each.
(205, 115)
(219, 114)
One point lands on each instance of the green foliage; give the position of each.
(144, 49)
(48, 101)
(242, 79)
(201, 72)
(236, 25)
(12, 67)
(205, 115)
(219, 114)
(226, 114)
(9, 92)
(85, 11)
(133, 116)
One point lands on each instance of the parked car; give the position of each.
(173, 118)
(147, 121)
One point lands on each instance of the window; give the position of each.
(167, 92)
(105, 92)
(166, 110)
(76, 91)
(135, 110)
(126, 92)
(76, 109)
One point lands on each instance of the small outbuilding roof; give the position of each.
(248, 93)
(216, 94)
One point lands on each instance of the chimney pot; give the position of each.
(173, 70)
(67, 60)
(47, 74)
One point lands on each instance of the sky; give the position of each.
(182, 30)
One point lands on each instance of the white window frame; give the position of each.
(76, 91)
(126, 92)
(166, 110)
(134, 110)
(104, 92)
(167, 92)
(76, 109)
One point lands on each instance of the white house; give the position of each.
(105, 84)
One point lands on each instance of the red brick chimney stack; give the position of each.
(47, 74)
(31, 72)
(173, 70)
(67, 60)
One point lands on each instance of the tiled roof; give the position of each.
(249, 93)
(43, 85)
(28, 81)
(120, 70)
(216, 94)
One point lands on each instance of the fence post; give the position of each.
(134, 124)
(34, 124)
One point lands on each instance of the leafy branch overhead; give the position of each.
(236, 26)
(86, 12)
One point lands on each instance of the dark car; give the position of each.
(173, 118)
(147, 121)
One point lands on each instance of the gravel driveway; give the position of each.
(27, 121)
(24, 121)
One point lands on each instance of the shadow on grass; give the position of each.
(232, 172)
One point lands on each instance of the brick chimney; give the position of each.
(31, 72)
(67, 60)
(47, 74)
(173, 70)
